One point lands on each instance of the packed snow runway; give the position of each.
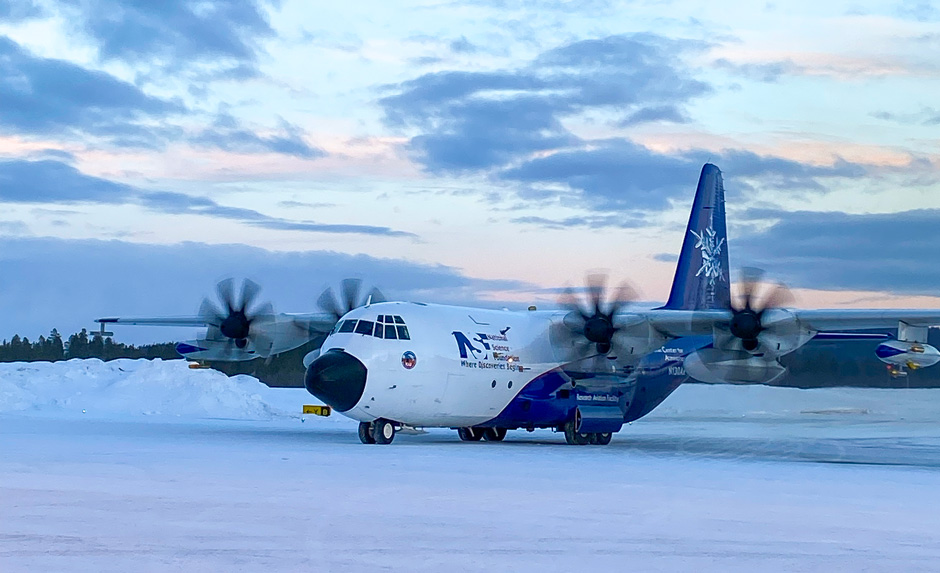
(151, 467)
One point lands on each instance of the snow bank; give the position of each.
(170, 389)
(140, 388)
(771, 403)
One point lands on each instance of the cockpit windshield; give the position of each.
(386, 327)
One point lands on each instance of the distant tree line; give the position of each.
(79, 345)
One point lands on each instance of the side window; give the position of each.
(364, 327)
(403, 332)
(347, 326)
(379, 330)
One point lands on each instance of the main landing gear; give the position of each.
(477, 434)
(380, 431)
(575, 438)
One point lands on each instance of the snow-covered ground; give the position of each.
(150, 466)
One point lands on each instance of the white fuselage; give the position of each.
(459, 367)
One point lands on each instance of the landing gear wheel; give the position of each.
(575, 438)
(601, 438)
(383, 431)
(470, 434)
(365, 433)
(494, 434)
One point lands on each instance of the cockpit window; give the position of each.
(364, 327)
(386, 326)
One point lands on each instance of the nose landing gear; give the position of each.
(365, 433)
(380, 431)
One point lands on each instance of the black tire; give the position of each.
(575, 438)
(470, 434)
(383, 431)
(602, 438)
(365, 433)
(494, 434)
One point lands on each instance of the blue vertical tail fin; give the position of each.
(702, 276)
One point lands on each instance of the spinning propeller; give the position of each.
(595, 321)
(351, 299)
(236, 320)
(748, 318)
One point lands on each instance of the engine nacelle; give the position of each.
(715, 366)
(911, 355)
(218, 350)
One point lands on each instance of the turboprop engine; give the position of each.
(747, 346)
(910, 355)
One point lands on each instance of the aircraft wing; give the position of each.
(318, 323)
(313, 323)
(858, 319)
(157, 321)
(678, 323)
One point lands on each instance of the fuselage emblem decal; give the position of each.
(408, 360)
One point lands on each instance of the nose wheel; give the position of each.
(380, 431)
(365, 433)
(383, 431)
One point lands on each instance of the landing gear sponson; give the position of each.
(571, 436)
(576, 438)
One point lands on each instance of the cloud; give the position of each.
(589, 222)
(834, 250)
(117, 278)
(920, 10)
(615, 174)
(285, 225)
(18, 10)
(176, 35)
(510, 126)
(481, 120)
(927, 116)
(50, 181)
(620, 175)
(463, 46)
(768, 72)
(48, 97)
(55, 97)
(227, 134)
(666, 257)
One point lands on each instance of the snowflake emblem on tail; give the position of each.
(710, 246)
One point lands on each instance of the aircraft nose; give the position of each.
(337, 378)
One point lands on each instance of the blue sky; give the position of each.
(472, 152)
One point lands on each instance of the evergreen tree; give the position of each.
(56, 348)
(15, 348)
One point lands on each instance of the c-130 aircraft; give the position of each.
(585, 369)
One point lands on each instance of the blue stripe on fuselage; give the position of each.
(656, 376)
